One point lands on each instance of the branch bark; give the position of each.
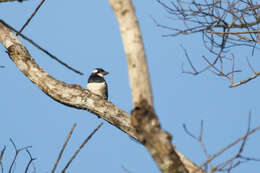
(69, 94)
(143, 117)
(134, 50)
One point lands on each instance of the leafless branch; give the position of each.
(200, 140)
(238, 156)
(245, 80)
(222, 166)
(195, 72)
(42, 49)
(17, 151)
(63, 147)
(125, 169)
(80, 98)
(188, 132)
(81, 146)
(143, 117)
(30, 162)
(227, 75)
(223, 25)
(250, 66)
(11, 0)
(68, 94)
(1, 158)
(245, 32)
(28, 21)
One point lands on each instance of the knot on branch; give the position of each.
(144, 120)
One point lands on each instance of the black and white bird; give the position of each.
(97, 83)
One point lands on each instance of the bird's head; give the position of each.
(99, 72)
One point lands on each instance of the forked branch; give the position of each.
(223, 25)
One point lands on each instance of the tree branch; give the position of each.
(143, 117)
(11, 0)
(134, 50)
(63, 148)
(70, 94)
(30, 18)
(223, 25)
(80, 147)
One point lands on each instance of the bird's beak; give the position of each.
(105, 73)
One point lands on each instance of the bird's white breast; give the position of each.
(97, 88)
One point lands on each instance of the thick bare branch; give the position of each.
(156, 140)
(70, 95)
(143, 117)
(134, 50)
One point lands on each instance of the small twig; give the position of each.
(222, 24)
(42, 49)
(250, 66)
(203, 146)
(230, 167)
(125, 169)
(247, 132)
(233, 67)
(1, 158)
(250, 158)
(188, 58)
(220, 73)
(235, 33)
(11, 0)
(245, 81)
(63, 147)
(188, 132)
(2, 154)
(81, 146)
(200, 140)
(201, 130)
(222, 166)
(31, 160)
(227, 147)
(33, 14)
(17, 151)
(238, 155)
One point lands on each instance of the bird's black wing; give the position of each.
(106, 92)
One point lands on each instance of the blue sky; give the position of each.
(85, 35)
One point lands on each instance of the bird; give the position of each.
(97, 84)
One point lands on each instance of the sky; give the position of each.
(85, 34)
